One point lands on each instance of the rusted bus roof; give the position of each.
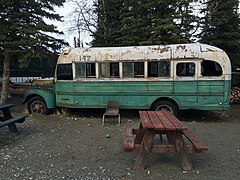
(129, 53)
(136, 53)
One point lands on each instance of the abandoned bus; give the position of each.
(159, 77)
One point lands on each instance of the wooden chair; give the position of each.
(112, 110)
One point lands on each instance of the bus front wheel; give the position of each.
(165, 105)
(37, 105)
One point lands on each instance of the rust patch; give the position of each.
(86, 50)
(41, 81)
(161, 49)
(181, 47)
(47, 90)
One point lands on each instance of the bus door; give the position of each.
(185, 88)
(64, 85)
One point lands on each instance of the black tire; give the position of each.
(165, 105)
(37, 105)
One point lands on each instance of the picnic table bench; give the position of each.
(8, 120)
(161, 132)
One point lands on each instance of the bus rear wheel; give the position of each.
(165, 105)
(37, 105)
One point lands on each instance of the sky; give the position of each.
(63, 26)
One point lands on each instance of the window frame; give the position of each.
(158, 68)
(71, 72)
(134, 68)
(186, 62)
(110, 69)
(214, 63)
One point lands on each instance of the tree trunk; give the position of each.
(5, 80)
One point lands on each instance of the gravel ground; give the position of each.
(77, 147)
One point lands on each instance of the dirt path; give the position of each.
(76, 147)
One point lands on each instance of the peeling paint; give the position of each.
(140, 53)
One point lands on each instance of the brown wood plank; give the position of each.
(146, 122)
(159, 148)
(155, 121)
(167, 124)
(178, 124)
(128, 142)
(198, 145)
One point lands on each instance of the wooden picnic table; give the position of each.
(161, 132)
(8, 120)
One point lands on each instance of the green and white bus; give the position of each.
(158, 77)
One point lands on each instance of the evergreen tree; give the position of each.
(187, 19)
(221, 27)
(143, 22)
(24, 34)
(108, 15)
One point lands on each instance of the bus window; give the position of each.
(114, 70)
(135, 69)
(127, 69)
(90, 70)
(138, 69)
(80, 70)
(64, 72)
(164, 69)
(152, 69)
(104, 70)
(159, 69)
(186, 69)
(107, 70)
(211, 68)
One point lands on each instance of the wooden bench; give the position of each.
(11, 122)
(112, 110)
(198, 145)
(8, 119)
(128, 141)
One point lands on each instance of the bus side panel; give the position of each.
(86, 94)
(143, 94)
(213, 94)
(129, 94)
(227, 93)
(186, 93)
(135, 94)
(111, 90)
(160, 88)
(204, 94)
(64, 93)
(96, 94)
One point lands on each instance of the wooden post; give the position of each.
(145, 149)
(176, 139)
(139, 135)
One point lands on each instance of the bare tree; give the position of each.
(82, 19)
